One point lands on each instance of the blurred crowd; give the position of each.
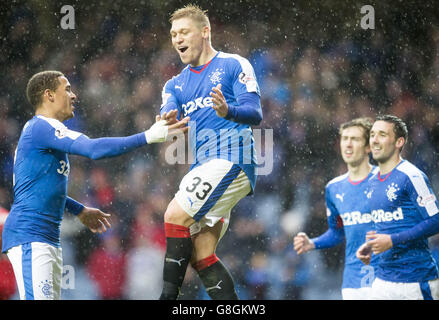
(117, 65)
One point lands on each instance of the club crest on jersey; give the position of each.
(215, 76)
(391, 191)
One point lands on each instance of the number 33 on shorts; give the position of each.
(212, 188)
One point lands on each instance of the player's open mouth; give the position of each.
(182, 49)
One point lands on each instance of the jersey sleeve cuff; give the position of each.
(73, 206)
(230, 113)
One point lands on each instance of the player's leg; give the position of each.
(178, 250)
(216, 278)
(15, 257)
(214, 274)
(46, 271)
(38, 270)
(198, 193)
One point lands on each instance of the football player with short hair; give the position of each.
(405, 213)
(347, 204)
(220, 93)
(31, 234)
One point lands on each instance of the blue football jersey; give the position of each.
(400, 200)
(41, 170)
(211, 136)
(348, 207)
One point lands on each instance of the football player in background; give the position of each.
(405, 213)
(347, 205)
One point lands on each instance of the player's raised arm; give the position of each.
(110, 147)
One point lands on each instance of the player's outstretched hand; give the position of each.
(94, 219)
(364, 253)
(166, 126)
(170, 117)
(302, 243)
(219, 102)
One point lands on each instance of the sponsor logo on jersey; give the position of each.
(356, 217)
(385, 216)
(391, 191)
(198, 103)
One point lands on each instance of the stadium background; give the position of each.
(316, 67)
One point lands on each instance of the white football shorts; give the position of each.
(210, 191)
(387, 290)
(38, 270)
(356, 293)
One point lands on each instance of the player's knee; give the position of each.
(175, 215)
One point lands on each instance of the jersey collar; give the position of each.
(387, 175)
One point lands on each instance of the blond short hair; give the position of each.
(191, 11)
